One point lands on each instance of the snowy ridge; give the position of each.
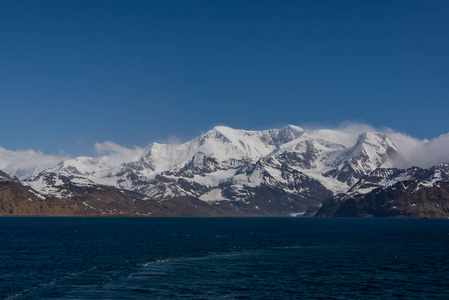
(372, 150)
(388, 177)
(57, 185)
(232, 162)
(390, 192)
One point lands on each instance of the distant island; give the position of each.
(227, 172)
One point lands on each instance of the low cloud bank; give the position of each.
(422, 153)
(26, 163)
(116, 154)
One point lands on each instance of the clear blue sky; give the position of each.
(77, 72)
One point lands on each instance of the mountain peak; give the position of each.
(374, 142)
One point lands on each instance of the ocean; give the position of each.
(223, 258)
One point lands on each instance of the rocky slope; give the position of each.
(413, 192)
(17, 199)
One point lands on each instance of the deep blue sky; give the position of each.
(77, 72)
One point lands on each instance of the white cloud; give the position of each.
(426, 153)
(171, 140)
(26, 163)
(354, 128)
(116, 154)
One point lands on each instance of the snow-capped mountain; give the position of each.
(288, 171)
(372, 150)
(412, 192)
(290, 168)
(386, 177)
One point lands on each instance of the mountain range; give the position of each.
(227, 172)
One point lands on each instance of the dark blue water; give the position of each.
(233, 258)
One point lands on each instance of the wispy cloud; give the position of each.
(25, 163)
(116, 154)
(423, 153)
